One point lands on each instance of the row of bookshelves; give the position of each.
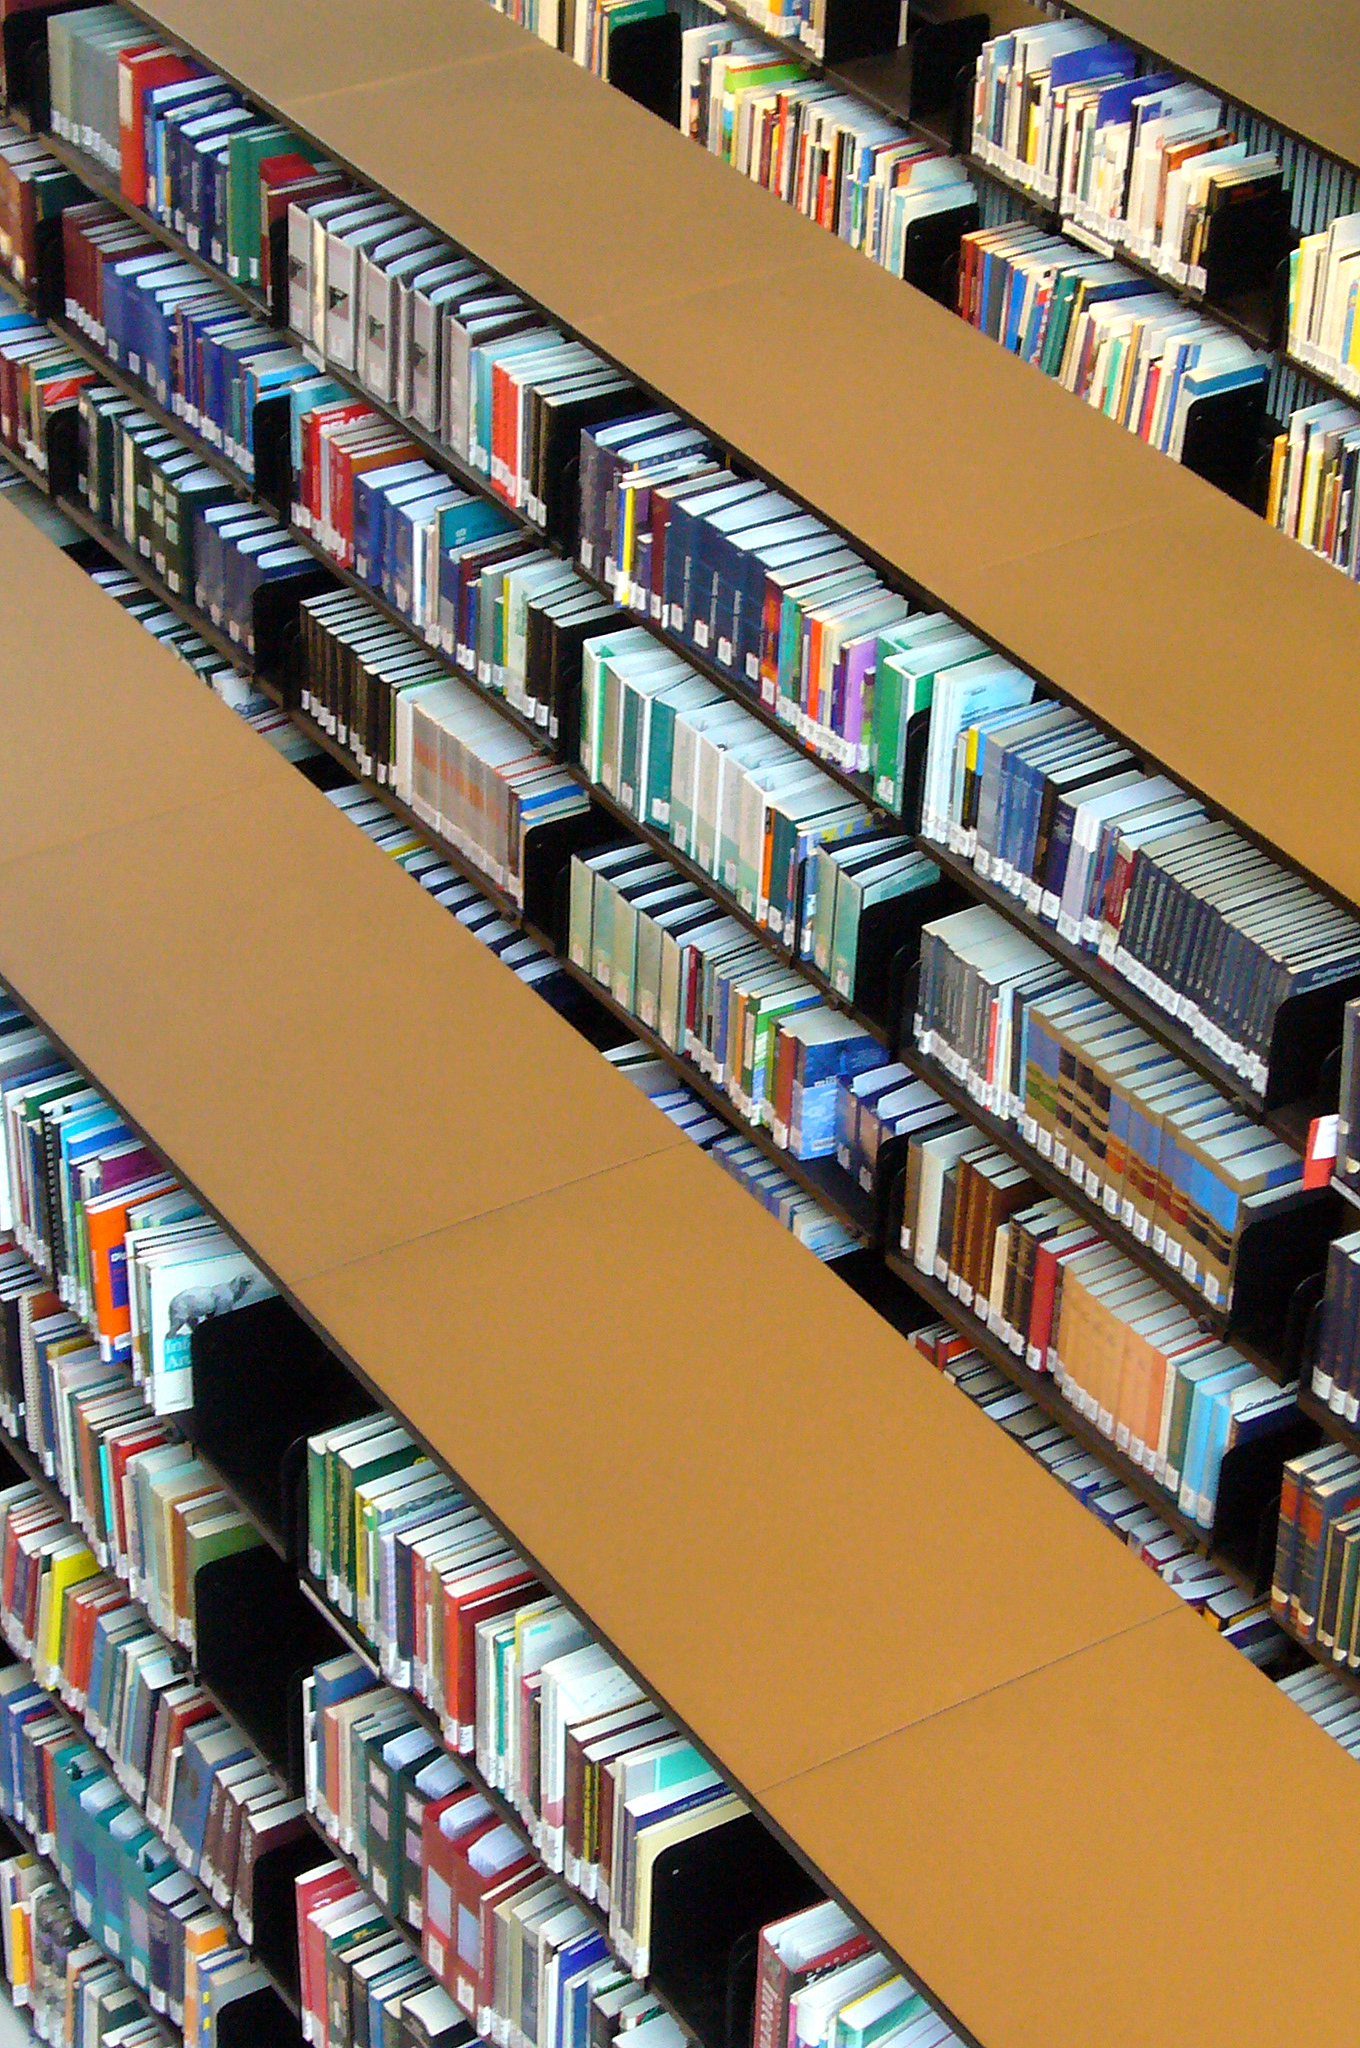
(927, 578)
(828, 1184)
(867, 1213)
(863, 1214)
(851, 783)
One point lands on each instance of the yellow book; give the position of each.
(1308, 496)
(71, 1563)
(1277, 455)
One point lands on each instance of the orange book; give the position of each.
(106, 1220)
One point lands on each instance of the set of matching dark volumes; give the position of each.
(1126, 867)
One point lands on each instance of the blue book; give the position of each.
(741, 596)
(194, 324)
(581, 1971)
(231, 349)
(157, 107)
(190, 143)
(1269, 1408)
(157, 309)
(17, 1707)
(370, 487)
(405, 514)
(1100, 60)
(207, 1748)
(309, 398)
(716, 574)
(170, 163)
(1197, 1437)
(710, 493)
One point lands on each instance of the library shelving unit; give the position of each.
(917, 1710)
(910, 1746)
(1087, 588)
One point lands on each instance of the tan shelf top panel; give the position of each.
(811, 1547)
(1170, 613)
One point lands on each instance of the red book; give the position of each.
(103, 250)
(465, 1604)
(1040, 1333)
(22, 1531)
(327, 1885)
(120, 1457)
(88, 1602)
(507, 1886)
(287, 181)
(794, 1952)
(502, 1854)
(463, 1817)
(140, 72)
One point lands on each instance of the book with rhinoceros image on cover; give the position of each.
(183, 1275)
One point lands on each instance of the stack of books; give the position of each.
(126, 1888)
(1131, 351)
(750, 1020)
(597, 1778)
(131, 1262)
(1053, 813)
(821, 1983)
(1317, 1556)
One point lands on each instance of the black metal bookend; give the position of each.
(644, 64)
(941, 47)
(256, 1632)
(270, 436)
(860, 28)
(932, 251)
(274, 1907)
(1222, 437)
(1277, 1254)
(264, 1381)
(1247, 1508)
(274, 612)
(63, 453)
(1305, 1045)
(709, 1896)
(261, 2020)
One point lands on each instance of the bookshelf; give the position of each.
(1111, 547)
(374, 1255)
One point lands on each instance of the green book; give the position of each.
(246, 151)
(360, 1454)
(879, 2013)
(655, 772)
(1059, 320)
